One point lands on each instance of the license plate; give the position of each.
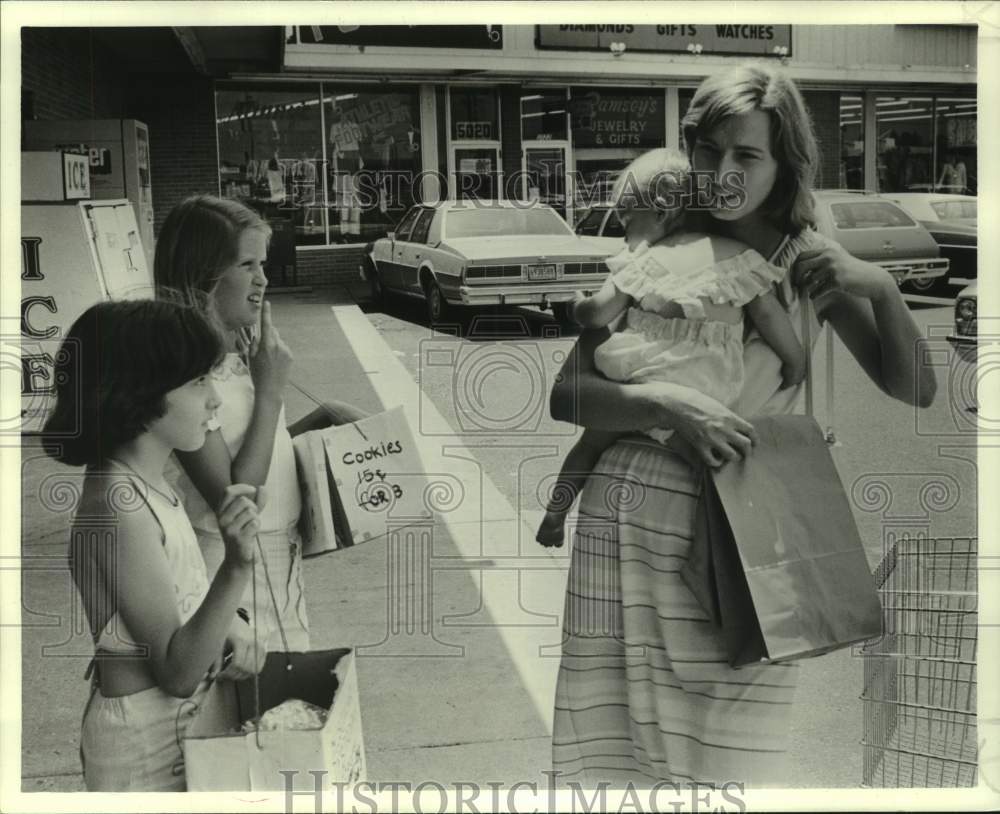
(547, 272)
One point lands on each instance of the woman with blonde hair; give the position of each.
(645, 692)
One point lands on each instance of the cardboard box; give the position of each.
(220, 757)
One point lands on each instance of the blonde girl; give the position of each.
(213, 251)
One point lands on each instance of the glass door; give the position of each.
(476, 173)
(545, 176)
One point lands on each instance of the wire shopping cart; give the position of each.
(920, 676)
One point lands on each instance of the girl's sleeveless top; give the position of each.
(180, 546)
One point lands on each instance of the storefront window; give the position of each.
(905, 139)
(544, 115)
(270, 154)
(373, 158)
(611, 127)
(852, 142)
(956, 169)
(474, 114)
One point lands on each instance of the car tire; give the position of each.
(927, 288)
(438, 309)
(560, 310)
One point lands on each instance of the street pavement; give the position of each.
(457, 660)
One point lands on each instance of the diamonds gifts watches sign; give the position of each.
(745, 39)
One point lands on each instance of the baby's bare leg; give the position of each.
(576, 468)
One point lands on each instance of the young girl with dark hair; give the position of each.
(133, 385)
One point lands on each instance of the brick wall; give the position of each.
(319, 267)
(824, 107)
(510, 139)
(70, 76)
(180, 113)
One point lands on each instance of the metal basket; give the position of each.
(920, 676)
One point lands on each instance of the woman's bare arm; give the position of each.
(582, 396)
(865, 308)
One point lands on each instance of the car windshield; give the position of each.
(591, 223)
(495, 221)
(868, 215)
(954, 210)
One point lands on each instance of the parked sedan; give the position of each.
(484, 253)
(873, 228)
(601, 227)
(951, 220)
(965, 336)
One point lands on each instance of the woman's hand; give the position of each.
(874, 322)
(270, 358)
(832, 268)
(713, 431)
(239, 523)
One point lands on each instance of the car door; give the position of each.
(391, 269)
(878, 230)
(414, 251)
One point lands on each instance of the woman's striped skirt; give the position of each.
(645, 693)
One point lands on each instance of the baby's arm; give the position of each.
(774, 326)
(601, 308)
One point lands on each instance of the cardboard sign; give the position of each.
(357, 480)
(378, 473)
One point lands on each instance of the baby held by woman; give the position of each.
(682, 295)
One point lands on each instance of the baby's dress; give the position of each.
(693, 350)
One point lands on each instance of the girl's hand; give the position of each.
(239, 523)
(241, 661)
(832, 268)
(714, 431)
(270, 358)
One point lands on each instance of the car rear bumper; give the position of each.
(526, 295)
(919, 269)
(965, 347)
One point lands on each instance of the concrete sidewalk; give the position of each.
(456, 622)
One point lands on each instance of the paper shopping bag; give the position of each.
(378, 475)
(321, 521)
(785, 574)
(219, 756)
(359, 481)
